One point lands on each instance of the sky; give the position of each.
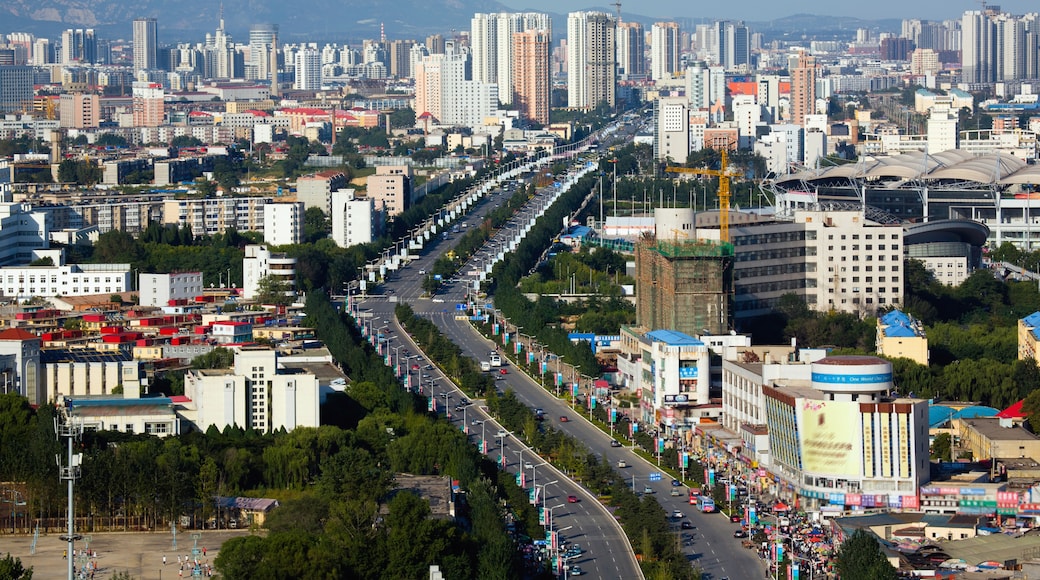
(761, 10)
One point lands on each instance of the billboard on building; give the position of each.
(830, 437)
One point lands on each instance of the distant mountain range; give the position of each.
(329, 20)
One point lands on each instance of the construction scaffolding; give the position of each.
(684, 285)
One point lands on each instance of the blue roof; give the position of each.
(939, 414)
(899, 331)
(1033, 319)
(673, 338)
(895, 317)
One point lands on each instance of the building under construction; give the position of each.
(682, 283)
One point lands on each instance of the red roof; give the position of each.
(17, 334)
(199, 114)
(1013, 412)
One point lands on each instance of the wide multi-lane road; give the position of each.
(606, 551)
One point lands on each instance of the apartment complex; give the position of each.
(591, 54)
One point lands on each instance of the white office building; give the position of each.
(257, 393)
(672, 129)
(160, 289)
(283, 223)
(355, 219)
(26, 282)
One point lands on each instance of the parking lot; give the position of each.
(139, 554)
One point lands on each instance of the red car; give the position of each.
(503, 371)
(572, 499)
(563, 419)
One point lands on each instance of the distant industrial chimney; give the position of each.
(275, 91)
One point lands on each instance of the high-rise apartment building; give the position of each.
(631, 47)
(146, 44)
(732, 49)
(531, 74)
(441, 89)
(977, 37)
(664, 50)
(400, 58)
(148, 104)
(999, 47)
(591, 54)
(308, 70)
(79, 46)
(803, 88)
(491, 46)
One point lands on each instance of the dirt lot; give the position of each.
(140, 554)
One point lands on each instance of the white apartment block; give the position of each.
(591, 55)
(207, 217)
(78, 376)
(22, 230)
(355, 219)
(255, 394)
(25, 282)
(260, 262)
(283, 223)
(672, 129)
(160, 289)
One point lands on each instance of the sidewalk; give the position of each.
(139, 554)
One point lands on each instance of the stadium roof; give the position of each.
(952, 165)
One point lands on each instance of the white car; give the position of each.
(678, 514)
(438, 300)
(502, 433)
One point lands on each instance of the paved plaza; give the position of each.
(138, 553)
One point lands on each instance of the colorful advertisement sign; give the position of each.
(829, 442)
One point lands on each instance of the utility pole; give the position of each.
(66, 428)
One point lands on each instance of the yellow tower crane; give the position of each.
(725, 173)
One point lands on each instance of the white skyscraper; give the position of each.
(591, 65)
(664, 50)
(146, 44)
(491, 43)
(441, 89)
(977, 56)
(308, 70)
(283, 223)
(261, 40)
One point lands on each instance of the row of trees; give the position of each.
(642, 518)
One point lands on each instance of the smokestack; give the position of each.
(388, 124)
(275, 91)
(334, 109)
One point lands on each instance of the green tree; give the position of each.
(941, 448)
(218, 358)
(860, 558)
(316, 225)
(185, 141)
(1031, 407)
(12, 569)
(273, 290)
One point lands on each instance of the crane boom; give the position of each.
(725, 173)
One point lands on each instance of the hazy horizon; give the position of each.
(762, 10)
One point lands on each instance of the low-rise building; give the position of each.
(996, 437)
(162, 289)
(900, 335)
(1028, 335)
(670, 372)
(254, 394)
